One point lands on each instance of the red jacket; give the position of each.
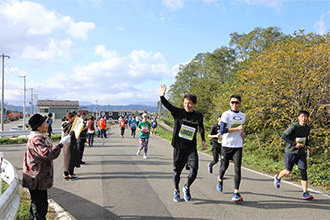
(122, 123)
(38, 171)
(102, 124)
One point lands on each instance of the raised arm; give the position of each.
(164, 101)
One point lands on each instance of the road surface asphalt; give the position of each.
(115, 183)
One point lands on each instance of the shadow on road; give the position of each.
(82, 209)
(284, 203)
(125, 175)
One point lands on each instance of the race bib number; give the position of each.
(187, 132)
(301, 141)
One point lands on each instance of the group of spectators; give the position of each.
(38, 159)
(102, 127)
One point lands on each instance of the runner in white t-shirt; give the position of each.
(232, 129)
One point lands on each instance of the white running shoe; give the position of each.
(145, 156)
(138, 153)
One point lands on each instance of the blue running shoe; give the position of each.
(220, 186)
(277, 182)
(210, 168)
(186, 192)
(176, 197)
(237, 198)
(307, 196)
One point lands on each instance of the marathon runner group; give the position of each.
(38, 168)
(227, 140)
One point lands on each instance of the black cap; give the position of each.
(36, 120)
(219, 115)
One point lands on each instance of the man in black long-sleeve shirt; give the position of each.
(296, 138)
(187, 121)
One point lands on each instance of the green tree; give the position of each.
(256, 41)
(202, 76)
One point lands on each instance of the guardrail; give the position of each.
(165, 126)
(24, 132)
(10, 199)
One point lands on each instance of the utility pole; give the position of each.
(31, 101)
(24, 100)
(3, 89)
(95, 109)
(36, 98)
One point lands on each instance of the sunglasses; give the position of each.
(235, 102)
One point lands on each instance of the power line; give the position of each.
(12, 70)
(14, 86)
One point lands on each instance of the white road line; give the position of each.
(272, 177)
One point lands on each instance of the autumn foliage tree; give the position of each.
(277, 75)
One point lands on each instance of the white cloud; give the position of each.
(79, 30)
(138, 65)
(173, 4)
(177, 4)
(60, 48)
(119, 80)
(101, 50)
(320, 26)
(269, 3)
(114, 79)
(29, 27)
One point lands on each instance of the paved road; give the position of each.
(9, 125)
(117, 184)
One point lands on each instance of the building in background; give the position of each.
(58, 108)
(118, 113)
(84, 109)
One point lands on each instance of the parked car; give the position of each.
(14, 129)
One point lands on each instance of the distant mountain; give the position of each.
(92, 107)
(120, 107)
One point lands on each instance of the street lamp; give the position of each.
(24, 100)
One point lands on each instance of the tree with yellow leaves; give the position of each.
(281, 80)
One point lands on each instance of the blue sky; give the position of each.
(121, 51)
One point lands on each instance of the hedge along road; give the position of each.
(115, 183)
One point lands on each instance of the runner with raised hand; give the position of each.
(187, 121)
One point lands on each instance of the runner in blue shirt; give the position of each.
(154, 125)
(133, 127)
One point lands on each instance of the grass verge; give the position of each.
(318, 175)
(24, 206)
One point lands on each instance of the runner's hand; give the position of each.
(66, 139)
(204, 145)
(162, 90)
(310, 149)
(240, 128)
